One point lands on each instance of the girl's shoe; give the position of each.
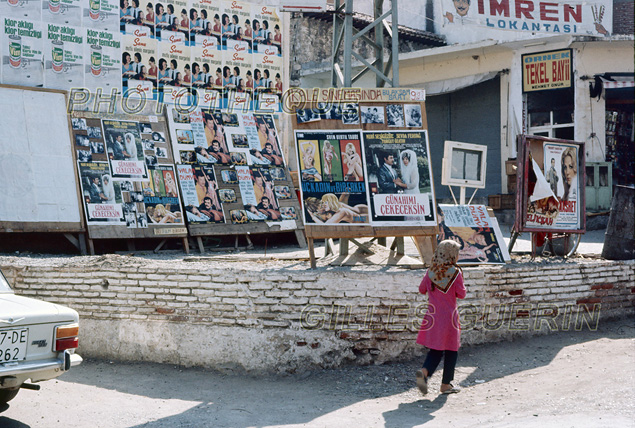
(452, 390)
(422, 382)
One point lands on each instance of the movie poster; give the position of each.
(260, 202)
(64, 57)
(161, 197)
(399, 178)
(553, 198)
(237, 63)
(124, 148)
(101, 202)
(200, 194)
(101, 14)
(267, 134)
(139, 67)
(332, 176)
(22, 52)
(102, 61)
(478, 234)
(62, 12)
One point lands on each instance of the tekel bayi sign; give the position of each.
(547, 70)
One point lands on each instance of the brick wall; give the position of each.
(286, 318)
(624, 17)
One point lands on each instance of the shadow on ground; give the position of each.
(249, 401)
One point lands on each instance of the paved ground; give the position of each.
(568, 379)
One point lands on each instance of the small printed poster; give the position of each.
(102, 61)
(22, 52)
(200, 194)
(101, 14)
(124, 148)
(101, 202)
(62, 12)
(64, 56)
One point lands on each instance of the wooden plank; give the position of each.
(426, 245)
(186, 246)
(323, 232)
(299, 235)
(235, 229)
(63, 227)
(110, 232)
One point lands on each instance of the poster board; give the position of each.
(551, 178)
(227, 163)
(476, 230)
(382, 114)
(126, 173)
(38, 189)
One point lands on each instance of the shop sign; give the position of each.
(547, 70)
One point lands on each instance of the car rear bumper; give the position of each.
(38, 370)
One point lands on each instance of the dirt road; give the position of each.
(572, 379)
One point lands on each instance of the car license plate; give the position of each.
(13, 344)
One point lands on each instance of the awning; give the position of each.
(616, 81)
(440, 87)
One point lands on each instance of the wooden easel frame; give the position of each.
(424, 236)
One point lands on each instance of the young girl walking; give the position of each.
(441, 330)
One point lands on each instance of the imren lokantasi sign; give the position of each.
(547, 70)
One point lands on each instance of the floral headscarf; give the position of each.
(444, 270)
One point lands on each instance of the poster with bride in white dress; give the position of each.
(399, 178)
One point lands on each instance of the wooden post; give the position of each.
(312, 253)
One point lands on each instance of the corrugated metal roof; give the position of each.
(361, 20)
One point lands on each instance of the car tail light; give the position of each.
(66, 337)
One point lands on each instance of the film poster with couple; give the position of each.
(332, 177)
(554, 196)
(475, 230)
(399, 178)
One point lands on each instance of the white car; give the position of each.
(37, 341)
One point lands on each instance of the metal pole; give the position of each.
(379, 39)
(336, 40)
(395, 45)
(348, 44)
